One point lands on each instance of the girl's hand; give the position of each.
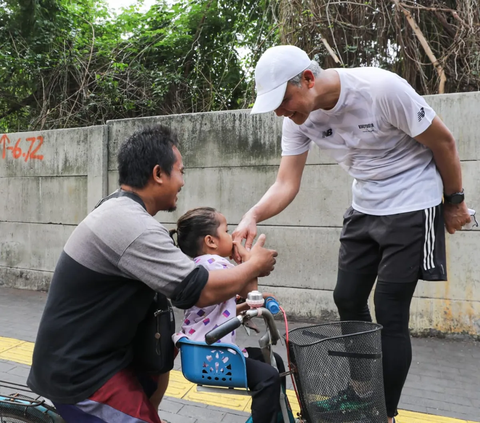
(246, 229)
(240, 253)
(263, 259)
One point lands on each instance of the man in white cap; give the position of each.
(403, 160)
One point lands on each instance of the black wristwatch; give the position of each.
(455, 198)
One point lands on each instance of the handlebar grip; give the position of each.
(224, 329)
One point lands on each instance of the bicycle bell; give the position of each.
(255, 299)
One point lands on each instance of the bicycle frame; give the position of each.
(24, 407)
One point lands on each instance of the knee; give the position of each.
(345, 301)
(273, 377)
(392, 306)
(351, 307)
(270, 380)
(342, 301)
(394, 323)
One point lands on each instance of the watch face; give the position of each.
(456, 198)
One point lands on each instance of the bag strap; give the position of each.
(162, 302)
(122, 193)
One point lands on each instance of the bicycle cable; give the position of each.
(288, 354)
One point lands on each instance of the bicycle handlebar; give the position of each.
(224, 329)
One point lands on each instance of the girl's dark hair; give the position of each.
(193, 227)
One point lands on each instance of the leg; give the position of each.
(358, 260)
(121, 398)
(357, 270)
(73, 414)
(281, 369)
(264, 381)
(351, 295)
(413, 247)
(157, 396)
(392, 309)
(256, 354)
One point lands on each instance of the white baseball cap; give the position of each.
(273, 71)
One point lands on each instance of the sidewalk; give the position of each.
(443, 383)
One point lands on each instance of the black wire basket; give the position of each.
(338, 372)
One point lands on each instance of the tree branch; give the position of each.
(426, 47)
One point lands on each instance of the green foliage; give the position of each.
(66, 63)
(377, 33)
(75, 63)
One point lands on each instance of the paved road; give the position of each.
(443, 383)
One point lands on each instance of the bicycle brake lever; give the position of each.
(251, 325)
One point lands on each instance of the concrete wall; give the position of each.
(231, 158)
(47, 185)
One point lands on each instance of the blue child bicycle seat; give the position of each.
(220, 364)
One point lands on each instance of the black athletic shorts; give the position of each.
(401, 247)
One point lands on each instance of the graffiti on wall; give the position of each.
(25, 149)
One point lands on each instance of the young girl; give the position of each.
(202, 234)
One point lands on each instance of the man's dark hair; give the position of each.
(142, 151)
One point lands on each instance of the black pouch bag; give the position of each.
(153, 347)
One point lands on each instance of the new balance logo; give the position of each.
(327, 133)
(421, 114)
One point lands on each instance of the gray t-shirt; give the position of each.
(102, 288)
(370, 133)
(120, 238)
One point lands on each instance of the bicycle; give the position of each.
(19, 408)
(315, 353)
(16, 408)
(221, 368)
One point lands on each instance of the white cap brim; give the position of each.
(270, 101)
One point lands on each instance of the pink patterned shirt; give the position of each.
(200, 320)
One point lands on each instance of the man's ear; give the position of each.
(210, 241)
(309, 78)
(157, 174)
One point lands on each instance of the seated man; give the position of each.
(104, 283)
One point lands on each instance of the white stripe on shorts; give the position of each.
(429, 245)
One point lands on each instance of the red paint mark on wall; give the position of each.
(29, 152)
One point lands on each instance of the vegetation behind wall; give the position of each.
(70, 63)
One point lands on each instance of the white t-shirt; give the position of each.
(370, 134)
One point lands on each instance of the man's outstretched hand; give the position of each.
(263, 258)
(246, 230)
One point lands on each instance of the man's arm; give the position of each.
(275, 200)
(440, 140)
(225, 284)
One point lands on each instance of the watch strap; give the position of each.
(455, 198)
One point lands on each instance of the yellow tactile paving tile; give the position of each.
(233, 402)
(15, 350)
(248, 406)
(21, 352)
(8, 343)
(178, 386)
(411, 417)
(292, 399)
